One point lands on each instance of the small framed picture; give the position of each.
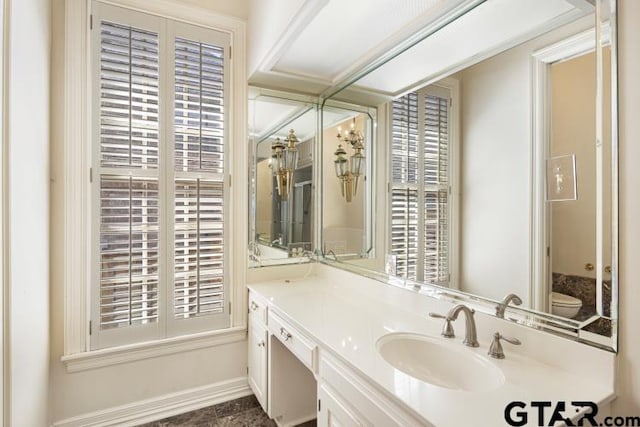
(561, 178)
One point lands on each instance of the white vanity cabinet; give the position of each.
(257, 353)
(335, 411)
(345, 398)
(281, 366)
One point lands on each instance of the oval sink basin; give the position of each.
(451, 366)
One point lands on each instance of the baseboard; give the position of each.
(167, 405)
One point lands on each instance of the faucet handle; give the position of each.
(495, 349)
(447, 328)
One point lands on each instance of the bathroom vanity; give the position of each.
(314, 350)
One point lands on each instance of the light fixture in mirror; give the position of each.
(347, 228)
(465, 126)
(349, 171)
(284, 162)
(282, 140)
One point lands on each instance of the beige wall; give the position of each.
(27, 143)
(98, 389)
(237, 8)
(628, 401)
(573, 228)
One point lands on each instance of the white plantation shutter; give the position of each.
(158, 178)
(404, 185)
(200, 284)
(420, 224)
(436, 188)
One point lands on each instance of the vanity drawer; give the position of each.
(303, 348)
(257, 308)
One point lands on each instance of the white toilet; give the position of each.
(565, 305)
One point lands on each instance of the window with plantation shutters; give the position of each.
(420, 185)
(158, 178)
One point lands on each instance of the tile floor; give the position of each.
(243, 412)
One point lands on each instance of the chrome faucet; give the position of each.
(501, 307)
(495, 350)
(470, 336)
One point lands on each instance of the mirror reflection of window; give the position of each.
(420, 185)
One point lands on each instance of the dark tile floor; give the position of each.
(243, 412)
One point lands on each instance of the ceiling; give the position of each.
(316, 46)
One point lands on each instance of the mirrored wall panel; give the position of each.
(495, 165)
(347, 181)
(282, 138)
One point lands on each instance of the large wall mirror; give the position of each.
(282, 138)
(492, 156)
(283, 130)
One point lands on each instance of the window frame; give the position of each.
(77, 175)
(452, 85)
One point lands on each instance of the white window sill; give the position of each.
(113, 356)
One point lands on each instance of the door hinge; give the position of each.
(230, 52)
(548, 250)
(319, 405)
(450, 102)
(247, 370)
(229, 180)
(90, 174)
(229, 307)
(91, 22)
(90, 327)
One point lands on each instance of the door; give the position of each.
(333, 412)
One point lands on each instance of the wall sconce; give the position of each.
(349, 171)
(285, 162)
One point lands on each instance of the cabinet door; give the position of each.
(258, 362)
(334, 412)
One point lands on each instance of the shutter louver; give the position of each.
(436, 184)
(420, 187)
(199, 107)
(199, 255)
(129, 256)
(129, 192)
(128, 97)
(404, 231)
(199, 202)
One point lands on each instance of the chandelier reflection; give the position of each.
(284, 162)
(349, 171)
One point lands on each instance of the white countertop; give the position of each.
(344, 321)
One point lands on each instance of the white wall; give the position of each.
(494, 187)
(75, 394)
(628, 401)
(29, 41)
(495, 170)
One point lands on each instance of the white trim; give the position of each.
(303, 17)
(156, 408)
(541, 59)
(76, 159)
(5, 371)
(139, 351)
(76, 178)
